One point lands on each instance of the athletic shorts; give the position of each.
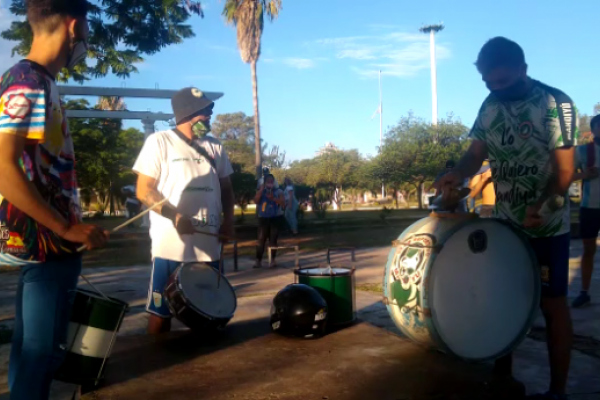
(161, 272)
(589, 223)
(553, 259)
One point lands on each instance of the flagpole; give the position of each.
(381, 130)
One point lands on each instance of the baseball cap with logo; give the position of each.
(191, 101)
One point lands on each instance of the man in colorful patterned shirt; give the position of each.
(40, 221)
(528, 130)
(587, 158)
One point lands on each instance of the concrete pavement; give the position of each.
(256, 287)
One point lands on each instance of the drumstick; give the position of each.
(129, 221)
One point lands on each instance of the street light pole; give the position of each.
(381, 131)
(432, 30)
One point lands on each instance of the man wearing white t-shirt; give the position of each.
(191, 170)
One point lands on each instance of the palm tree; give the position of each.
(248, 17)
(111, 103)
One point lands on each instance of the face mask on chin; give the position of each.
(201, 129)
(517, 91)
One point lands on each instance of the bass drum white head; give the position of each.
(198, 282)
(483, 301)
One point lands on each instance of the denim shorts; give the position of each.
(161, 272)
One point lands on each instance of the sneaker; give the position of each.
(547, 396)
(273, 264)
(257, 264)
(582, 300)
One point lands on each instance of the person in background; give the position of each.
(261, 180)
(132, 204)
(40, 216)
(587, 158)
(482, 184)
(527, 126)
(269, 202)
(291, 206)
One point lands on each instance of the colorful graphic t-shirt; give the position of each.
(520, 136)
(30, 107)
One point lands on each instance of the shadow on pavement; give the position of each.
(135, 356)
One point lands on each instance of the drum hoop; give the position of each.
(533, 312)
(179, 290)
(454, 215)
(351, 271)
(122, 304)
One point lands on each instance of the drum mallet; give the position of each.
(129, 221)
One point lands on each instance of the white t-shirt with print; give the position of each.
(192, 185)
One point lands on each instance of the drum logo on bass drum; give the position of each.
(408, 270)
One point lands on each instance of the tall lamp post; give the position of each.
(432, 30)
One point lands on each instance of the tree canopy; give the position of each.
(121, 33)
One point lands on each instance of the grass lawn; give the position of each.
(128, 252)
(358, 228)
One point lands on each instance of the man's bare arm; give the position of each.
(473, 159)
(147, 192)
(563, 170)
(227, 199)
(18, 190)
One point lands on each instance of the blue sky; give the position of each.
(318, 71)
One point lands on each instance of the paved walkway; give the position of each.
(256, 287)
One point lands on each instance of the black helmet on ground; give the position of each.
(299, 310)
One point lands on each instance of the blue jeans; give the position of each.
(290, 217)
(43, 306)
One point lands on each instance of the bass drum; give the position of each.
(465, 285)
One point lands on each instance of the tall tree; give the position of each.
(248, 17)
(105, 153)
(236, 133)
(121, 33)
(112, 103)
(415, 151)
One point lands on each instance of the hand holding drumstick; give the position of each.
(124, 224)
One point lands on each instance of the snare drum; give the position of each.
(198, 298)
(465, 285)
(93, 327)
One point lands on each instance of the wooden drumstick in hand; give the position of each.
(129, 221)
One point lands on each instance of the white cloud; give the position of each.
(396, 53)
(299, 63)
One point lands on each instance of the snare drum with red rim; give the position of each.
(198, 298)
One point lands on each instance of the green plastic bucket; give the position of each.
(337, 286)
